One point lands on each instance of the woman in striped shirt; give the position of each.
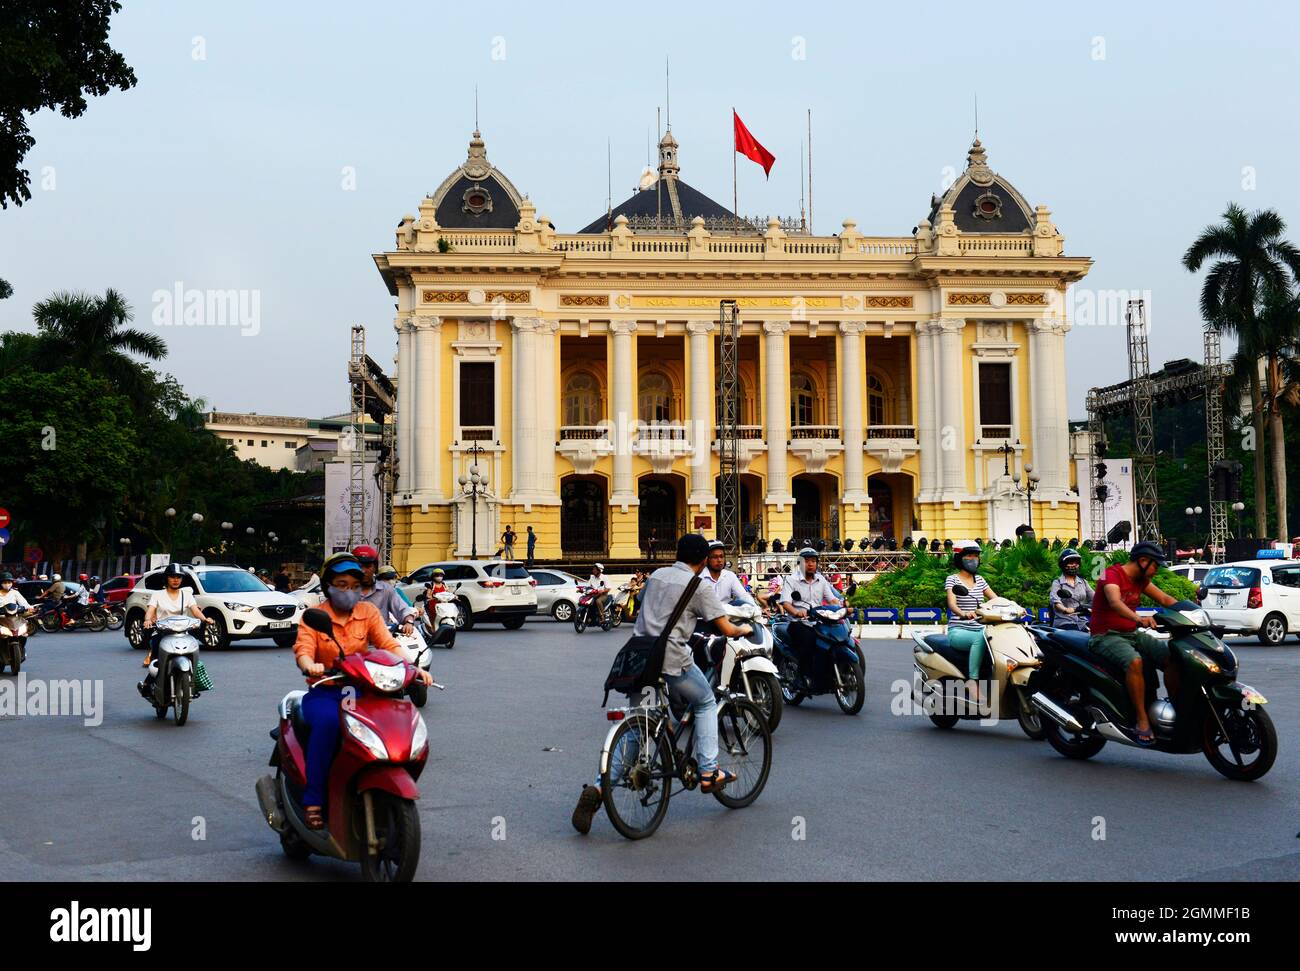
(965, 633)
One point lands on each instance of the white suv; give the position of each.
(1254, 597)
(241, 604)
(485, 590)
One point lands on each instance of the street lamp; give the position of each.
(1193, 514)
(1028, 484)
(473, 486)
(1238, 508)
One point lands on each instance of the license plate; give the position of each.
(280, 624)
(517, 591)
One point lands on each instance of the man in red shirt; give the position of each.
(1115, 622)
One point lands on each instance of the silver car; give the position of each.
(557, 593)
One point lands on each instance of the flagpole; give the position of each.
(735, 208)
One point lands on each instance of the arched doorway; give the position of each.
(584, 512)
(751, 508)
(815, 512)
(660, 513)
(891, 504)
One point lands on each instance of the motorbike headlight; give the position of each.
(1204, 660)
(386, 677)
(1197, 616)
(366, 735)
(420, 739)
(238, 608)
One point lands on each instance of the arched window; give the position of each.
(655, 398)
(803, 400)
(581, 399)
(876, 397)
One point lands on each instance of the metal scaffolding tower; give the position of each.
(1214, 446)
(373, 400)
(1096, 464)
(728, 426)
(1144, 448)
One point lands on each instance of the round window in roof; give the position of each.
(988, 205)
(477, 200)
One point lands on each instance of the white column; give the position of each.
(427, 424)
(548, 397)
(1048, 403)
(927, 406)
(405, 405)
(524, 425)
(952, 425)
(702, 391)
(850, 411)
(623, 385)
(776, 408)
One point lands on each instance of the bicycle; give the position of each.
(649, 748)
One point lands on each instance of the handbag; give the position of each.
(640, 662)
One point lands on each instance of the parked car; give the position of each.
(486, 590)
(557, 593)
(1254, 597)
(309, 596)
(241, 604)
(116, 590)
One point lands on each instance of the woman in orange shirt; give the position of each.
(357, 626)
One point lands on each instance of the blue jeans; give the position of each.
(693, 688)
(320, 709)
(971, 640)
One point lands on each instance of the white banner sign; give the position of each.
(1121, 501)
(339, 502)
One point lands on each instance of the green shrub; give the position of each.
(1023, 572)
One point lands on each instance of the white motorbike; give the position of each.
(743, 664)
(414, 648)
(440, 630)
(13, 637)
(171, 681)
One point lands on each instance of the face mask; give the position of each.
(344, 600)
(1071, 570)
(970, 564)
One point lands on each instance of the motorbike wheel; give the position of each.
(853, 694)
(944, 721)
(636, 801)
(617, 619)
(789, 673)
(49, 622)
(1069, 744)
(418, 693)
(580, 620)
(745, 750)
(116, 618)
(397, 828)
(765, 693)
(1248, 733)
(1030, 721)
(15, 661)
(181, 697)
(96, 620)
(295, 848)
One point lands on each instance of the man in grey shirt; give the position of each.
(392, 607)
(685, 681)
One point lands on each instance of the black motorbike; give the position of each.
(838, 668)
(1085, 702)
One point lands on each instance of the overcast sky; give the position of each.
(272, 148)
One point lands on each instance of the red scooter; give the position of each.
(370, 814)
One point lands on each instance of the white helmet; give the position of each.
(57, 577)
(598, 566)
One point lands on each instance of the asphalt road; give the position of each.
(880, 796)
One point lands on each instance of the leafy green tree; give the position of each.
(1250, 256)
(69, 453)
(91, 332)
(54, 54)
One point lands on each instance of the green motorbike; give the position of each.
(1085, 703)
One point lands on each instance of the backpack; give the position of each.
(640, 662)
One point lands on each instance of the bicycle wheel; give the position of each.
(745, 750)
(637, 782)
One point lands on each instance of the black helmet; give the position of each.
(1150, 550)
(174, 570)
(1068, 554)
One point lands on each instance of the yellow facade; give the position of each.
(591, 361)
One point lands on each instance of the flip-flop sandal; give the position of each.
(718, 781)
(313, 818)
(1144, 739)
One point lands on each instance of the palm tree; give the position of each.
(1250, 257)
(90, 332)
(1279, 326)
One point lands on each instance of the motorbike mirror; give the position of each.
(960, 589)
(1201, 593)
(795, 596)
(319, 621)
(1064, 594)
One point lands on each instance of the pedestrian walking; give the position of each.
(508, 542)
(532, 545)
